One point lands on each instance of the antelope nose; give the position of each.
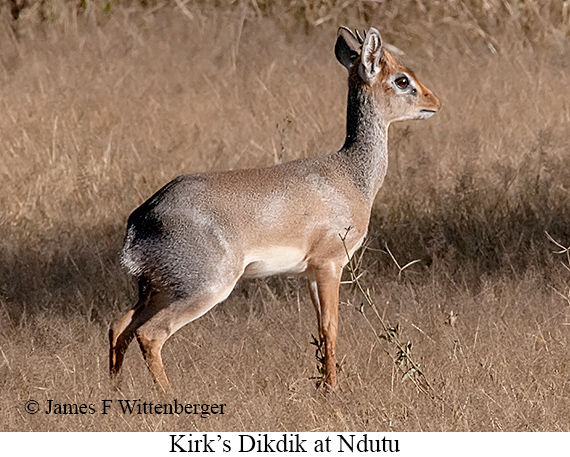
(433, 101)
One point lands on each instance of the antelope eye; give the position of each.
(402, 82)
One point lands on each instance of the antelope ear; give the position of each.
(347, 47)
(371, 55)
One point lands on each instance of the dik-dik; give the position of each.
(191, 242)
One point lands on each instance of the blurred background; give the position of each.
(103, 102)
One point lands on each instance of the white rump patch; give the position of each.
(274, 260)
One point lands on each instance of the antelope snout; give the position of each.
(431, 101)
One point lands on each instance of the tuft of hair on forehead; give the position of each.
(392, 61)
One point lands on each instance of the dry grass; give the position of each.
(99, 109)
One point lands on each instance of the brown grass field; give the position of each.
(102, 103)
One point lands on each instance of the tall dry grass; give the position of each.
(103, 102)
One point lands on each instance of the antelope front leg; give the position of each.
(328, 282)
(313, 289)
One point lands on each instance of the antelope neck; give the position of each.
(365, 150)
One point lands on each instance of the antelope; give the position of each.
(190, 243)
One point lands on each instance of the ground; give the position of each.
(102, 106)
